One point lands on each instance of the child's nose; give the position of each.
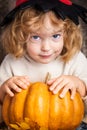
(45, 45)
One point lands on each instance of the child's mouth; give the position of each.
(46, 56)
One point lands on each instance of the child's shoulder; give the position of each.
(9, 58)
(79, 57)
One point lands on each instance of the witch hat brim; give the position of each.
(72, 11)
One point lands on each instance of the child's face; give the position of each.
(46, 44)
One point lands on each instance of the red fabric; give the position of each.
(68, 2)
(18, 2)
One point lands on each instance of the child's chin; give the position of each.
(45, 61)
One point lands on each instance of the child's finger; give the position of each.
(49, 82)
(73, 92)
(22, 82)
(9, 92)
(13, 86)
(64, 91)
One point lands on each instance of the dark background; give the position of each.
(7, 5)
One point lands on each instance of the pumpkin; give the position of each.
(36, 108)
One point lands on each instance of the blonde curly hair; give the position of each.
(15, 35)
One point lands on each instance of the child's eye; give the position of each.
(56, 36)
(35, 37)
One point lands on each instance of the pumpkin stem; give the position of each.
(48, 77)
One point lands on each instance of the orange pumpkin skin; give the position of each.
(43, 108)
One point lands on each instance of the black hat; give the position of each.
(63, 8)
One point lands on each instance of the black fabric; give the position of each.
(3, 126)
(83, 126)
(72, 11)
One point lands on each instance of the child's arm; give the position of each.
(67, 82)
(15, 83)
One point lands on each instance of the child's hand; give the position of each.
(66, 83)
(16, 83)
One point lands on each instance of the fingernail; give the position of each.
(12, 95)
(61, 95)
(19, 90)
(51, 88)
(25, 86)
(55, 92)
(72, 97)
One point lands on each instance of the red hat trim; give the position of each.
(67, 2)
(18, 2)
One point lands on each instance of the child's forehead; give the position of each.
(49, 23)
(47, 31)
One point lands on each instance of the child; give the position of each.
(40, 37)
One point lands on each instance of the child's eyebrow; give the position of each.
(34, 33)
(38, 33)
(58, 31)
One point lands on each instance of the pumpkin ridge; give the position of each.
(77, 112)
(68, 111)
(5, 109)
(25, 101)
(11, 111)
(54, 111)
(19, 98)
